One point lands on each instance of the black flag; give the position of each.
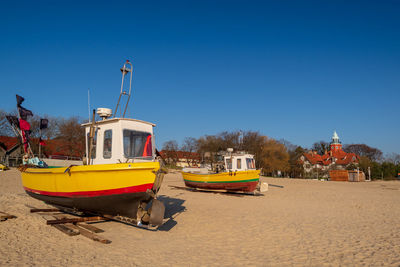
(13, 120)
(20, 99)
(24, 113)
(43, 123)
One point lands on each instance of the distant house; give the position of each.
(10, 151)
(182, 158)
(335, 158)
(61, 149)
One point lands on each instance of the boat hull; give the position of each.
(116, 205)
(112, 189)
(245, 181)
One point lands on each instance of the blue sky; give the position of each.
(296, 70)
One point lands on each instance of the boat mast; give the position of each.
(91, 137)
(125, 70)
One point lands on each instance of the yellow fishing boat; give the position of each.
(121, 176)
(238, 174)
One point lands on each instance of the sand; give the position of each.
(301, 222)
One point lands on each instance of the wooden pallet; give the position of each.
(73, 225)
(5, 216)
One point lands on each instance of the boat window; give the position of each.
(250, 163)
(239, 164)
(228, 164)
(148, 148)
(107, 144)
(93, 156)
(137, 144)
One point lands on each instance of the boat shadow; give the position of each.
(173, 208)
(216, 192)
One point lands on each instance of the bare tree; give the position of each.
(253, 143)
(72, 137)
(170, 148)
(5, 127)
(320, 147)
(208, 147)
(393, 158)
(372, 153)
(230, 140)
(189, 146)
(289, 146)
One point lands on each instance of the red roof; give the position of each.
(8, 141)
(341, 157)
(52, 147)
(183, 154)
(62, 148)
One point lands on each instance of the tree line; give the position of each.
(273, 156)
(66, 132)
(278, 157)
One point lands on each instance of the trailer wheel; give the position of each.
(157, 211)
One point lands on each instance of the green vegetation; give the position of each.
(280, 158)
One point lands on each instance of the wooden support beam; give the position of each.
(4, 216)
(90, 227)
(91, 235)
(44, 210)
(66, 229)
(76, 220)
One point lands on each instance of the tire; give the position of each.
(157, 211)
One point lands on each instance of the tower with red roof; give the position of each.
(335, 158)
(335, 145)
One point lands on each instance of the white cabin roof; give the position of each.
(116, 120)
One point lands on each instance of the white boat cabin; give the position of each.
(120, 140)
(239, 162)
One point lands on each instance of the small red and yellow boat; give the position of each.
(239, 174)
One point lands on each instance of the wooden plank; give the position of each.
(75, 220)
(4, 216)
(90, 227)
(66, 229)
(91, 235)
(48, 217)
(44, 210)
(64, 223)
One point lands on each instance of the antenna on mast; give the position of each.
(125, 70)
(88, 99)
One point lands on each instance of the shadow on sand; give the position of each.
(173, 208)
(229, 193)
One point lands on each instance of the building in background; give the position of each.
(10, 151)
(334, 159)
(181, 158)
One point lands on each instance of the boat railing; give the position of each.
(62, 157)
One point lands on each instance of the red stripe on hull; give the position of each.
(245, 186)
(131, 189)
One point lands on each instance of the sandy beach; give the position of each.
(296, 222)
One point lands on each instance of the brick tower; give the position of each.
(335, 145)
